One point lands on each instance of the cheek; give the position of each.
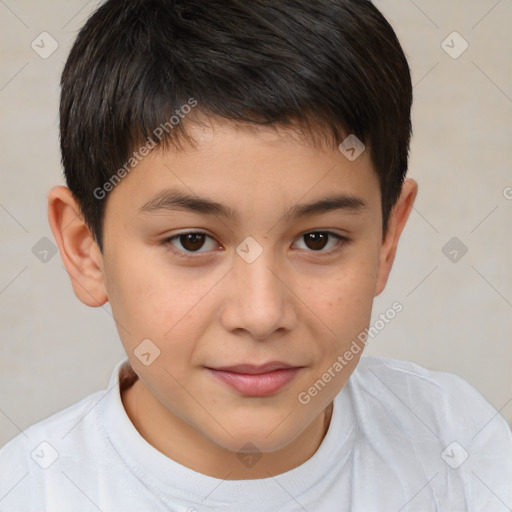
(345, 302)
(166, 305)
(349, 293)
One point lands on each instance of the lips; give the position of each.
(256, 380)
(256, 369)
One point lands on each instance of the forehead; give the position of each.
(228, 168)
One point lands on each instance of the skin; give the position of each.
(298, 302)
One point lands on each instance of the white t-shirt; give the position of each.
(401, 438)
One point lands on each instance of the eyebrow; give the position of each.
(170, 200)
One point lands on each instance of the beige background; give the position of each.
(457, 317)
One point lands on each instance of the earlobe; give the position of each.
(397, 220)
(78, 249)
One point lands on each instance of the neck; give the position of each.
(188, 447)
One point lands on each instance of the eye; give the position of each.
(318, 240)
(190, 242)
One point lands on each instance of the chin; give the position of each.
(256, 436)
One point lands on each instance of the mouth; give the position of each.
(256, 380)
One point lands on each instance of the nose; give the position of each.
(259, 300)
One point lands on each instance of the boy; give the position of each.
(237, 190)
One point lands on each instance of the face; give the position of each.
(256, 278)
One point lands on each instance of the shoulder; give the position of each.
(27, 456)
(373, 369)
(56, 426)
(393, 372)
(444, 399)
(438, 423)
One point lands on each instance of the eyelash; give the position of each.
(195, 255)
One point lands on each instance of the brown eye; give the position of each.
(316, 241)
(192, 241)
(190, 244)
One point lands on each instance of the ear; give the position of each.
(397, 220)
(79, 251)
